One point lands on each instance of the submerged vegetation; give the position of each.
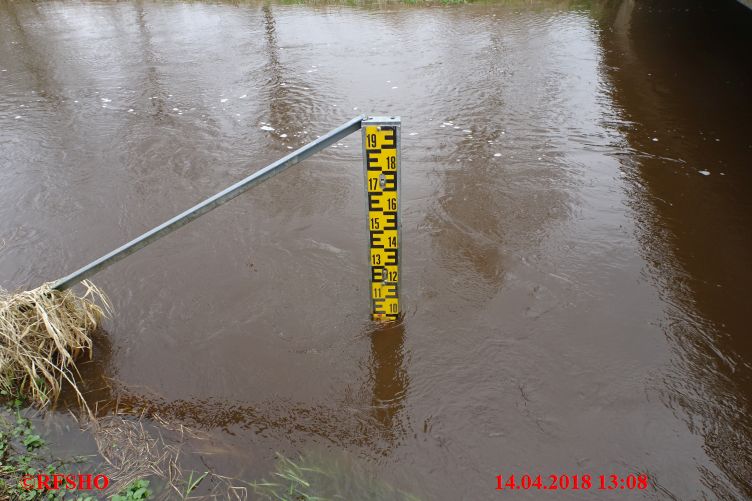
(318, 479)
(42, 332)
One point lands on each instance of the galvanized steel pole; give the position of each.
(210, 203)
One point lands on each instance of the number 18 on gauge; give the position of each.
(381, 145)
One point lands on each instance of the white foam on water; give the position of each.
(243, 96)
(655, 139)
(704, 172)
(283, 135)
(413, 133)
(466, 131)
(105, 100)
(130, 110)
(223, 100)
(497, 154)
(394, 87)
(447, 123)
(175, 109)
(17, 117)
(266, 127)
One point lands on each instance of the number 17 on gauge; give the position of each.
(381, 154)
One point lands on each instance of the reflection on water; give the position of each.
(389, 381)
(690, 227)
(373, 419)
(574, 284)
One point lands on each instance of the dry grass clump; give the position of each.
(132, 452)
(42, 332)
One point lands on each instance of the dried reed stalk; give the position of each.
(42, 333)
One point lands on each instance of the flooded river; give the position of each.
(576, 227)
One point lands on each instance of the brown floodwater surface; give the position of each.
(576, 215)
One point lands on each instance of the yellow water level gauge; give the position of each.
(381, 145)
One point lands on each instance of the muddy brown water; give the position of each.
(577, 241)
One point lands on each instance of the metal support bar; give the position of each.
(210, 203)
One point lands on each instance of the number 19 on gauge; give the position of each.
(381, 145)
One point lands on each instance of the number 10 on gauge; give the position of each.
(381, 154)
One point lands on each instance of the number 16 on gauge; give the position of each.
(381, 159)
